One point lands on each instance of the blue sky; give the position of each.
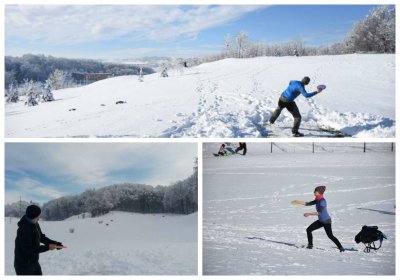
(120, 32)
(44, 171)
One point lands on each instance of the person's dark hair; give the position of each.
(223, 145)
(306, 80)
(33, 211)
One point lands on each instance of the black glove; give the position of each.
(59, 244)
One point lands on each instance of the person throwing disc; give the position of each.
(286, 100)
(324, 220)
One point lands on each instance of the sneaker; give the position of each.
(298, 134)
(341, 249)
(309, 246)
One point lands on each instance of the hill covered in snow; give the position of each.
(116, 244)
(228, 98)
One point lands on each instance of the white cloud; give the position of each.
(73, 24)
(95, 164)
(31, 189)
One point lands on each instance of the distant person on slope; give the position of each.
(27, 243)
(286, 100)
(242, 146)
(324, 220)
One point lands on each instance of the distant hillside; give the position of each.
(178, 198)
(39, 67)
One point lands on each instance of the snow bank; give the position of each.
(250, 226)
(116, 244)
(228, 98)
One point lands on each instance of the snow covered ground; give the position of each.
(123, 244)
(250, 226)
(228, 98)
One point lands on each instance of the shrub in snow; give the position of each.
(57, 79)
(13, 95)
(31, 95)
(141, 74)
(164, 72)
(100, 222)
(71, 230)
(47, 95)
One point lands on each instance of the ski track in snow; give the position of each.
(250, 227)
(221, 100)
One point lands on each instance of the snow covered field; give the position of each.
(250, 226)
(131, 244)
(228, 98)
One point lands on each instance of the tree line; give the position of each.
(179, 198)
(38, 68)
(376, 33)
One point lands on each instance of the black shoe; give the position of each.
(298, 134)
(309, 246)
(341, 249)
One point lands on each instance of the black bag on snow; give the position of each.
(368, 235)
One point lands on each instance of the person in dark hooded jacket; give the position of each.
(27, 243)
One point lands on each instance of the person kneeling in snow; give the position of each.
(222, 151)
(27, 243)
(324, 220)
(286, 100)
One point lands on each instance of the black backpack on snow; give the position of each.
(368, 235)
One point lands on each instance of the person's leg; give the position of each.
(24, 270)
(245, 150)
(277, 112)
(328, 230)
(316, 225)
(294, 110)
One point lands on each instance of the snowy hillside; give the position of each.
(250, 226)
(228, 98)
(116, 244)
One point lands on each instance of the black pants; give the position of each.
(328, 229)
(242, 147)
(292, 108)
(32, 269)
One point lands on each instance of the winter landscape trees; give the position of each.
(178, 198)
(374, 34)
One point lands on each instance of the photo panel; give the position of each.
(101, 209)
(292, 208)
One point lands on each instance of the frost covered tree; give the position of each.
(31, 94)
(164, 71)
(12, 95)
(237, 46)
(375, 33)
(57, 79)
(47, 95)
(141, 74)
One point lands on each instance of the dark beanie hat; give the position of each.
(320, 189)
(33, 211)
(306, 80)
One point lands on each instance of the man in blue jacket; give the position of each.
(324, 220)
(286, 100)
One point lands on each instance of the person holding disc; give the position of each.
(286, 100)
(324, 220)
(27, 243)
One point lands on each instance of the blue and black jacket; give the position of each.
(294, 89)
(322, 209)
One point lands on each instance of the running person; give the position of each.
(286, 100)
(324, 220)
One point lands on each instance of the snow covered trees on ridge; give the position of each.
(178, 198)
(375, 34)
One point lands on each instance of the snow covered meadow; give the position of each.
(118, 243)
(250, 226)
(227, 98)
